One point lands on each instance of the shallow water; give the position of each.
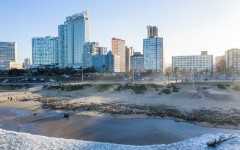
(122, 131)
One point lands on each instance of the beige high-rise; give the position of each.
(118, 48)
(129, 53)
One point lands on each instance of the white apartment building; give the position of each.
(203, 62)
(72, 36)
(45, 51)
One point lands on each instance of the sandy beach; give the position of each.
(203, 105)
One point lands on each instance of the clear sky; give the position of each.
(187, 26)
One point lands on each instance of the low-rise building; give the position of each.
(7, 65)
(203, 62)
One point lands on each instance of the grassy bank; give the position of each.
(14, 87)
(68, 87)
(137, 88)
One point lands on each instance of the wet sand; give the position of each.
(121, 131)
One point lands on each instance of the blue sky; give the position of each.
(187, 26)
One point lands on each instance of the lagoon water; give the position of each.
(121, 131)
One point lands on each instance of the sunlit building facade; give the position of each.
(118, 48)
(72, 36)
(203, 62)
(153, 54)
(129, 53)
(232, 58)
(45, 51)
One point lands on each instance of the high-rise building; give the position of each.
(8, 56)
(220, 64)
(8, 51)
(102, 50)
(103, 63)
(90, 49)
(27, 63)
(99, 62)
(118, 48)
(116, 63)
(129, 53)
(152, 31)
(137, 62)
(203, 62)
(232, 57)
(45, 51)
(153, 51)
(72, 36)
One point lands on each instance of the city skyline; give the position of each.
(187, 27)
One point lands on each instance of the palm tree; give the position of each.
(168, 72)
(183, 72)
(176, 70)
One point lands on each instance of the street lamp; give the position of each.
(82, 73)
(193, 74)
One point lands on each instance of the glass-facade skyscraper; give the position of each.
(72, 36)
(153, 50)
(45, 51)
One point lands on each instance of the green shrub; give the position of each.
(137, 88)
(76, 87)
(228, 85)
(69, 87)
(105, 87)
(118, 87)
(175, 90)
(169, 87)
(166, 91)
(154, 86)
(237, 88)
(221, 86)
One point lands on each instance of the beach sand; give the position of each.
(204, 105)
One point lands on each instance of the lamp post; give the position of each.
(82, 73)
(193, 74)
(133, 75)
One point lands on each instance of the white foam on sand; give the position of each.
(25, 141)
